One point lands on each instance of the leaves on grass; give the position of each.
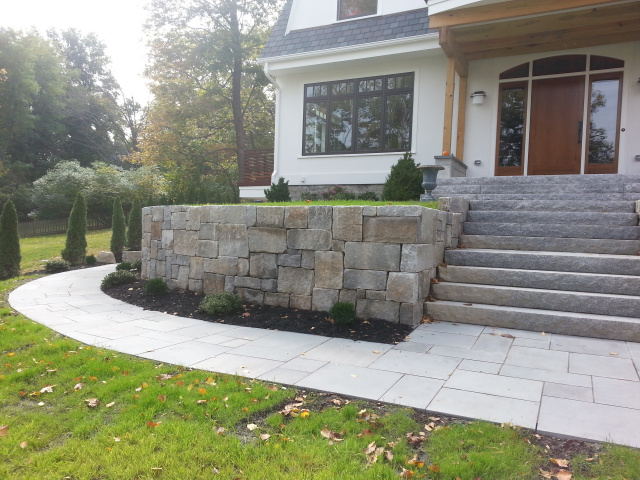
(220, 430)
(331, 435)
(47, 389)
(560, 462)
(153, 424)
(292, 409)
(210, 381)
(434, 468)
(110, 404)
(365, 433)
(265, 436)
(251, 427)
(92, 402)
(202, 391)
(415, 439)
(162, 398)
(23, 444)
(78, 386)
(4, 430)
(563, 475)
(406, 473)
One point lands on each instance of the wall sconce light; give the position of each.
(478, 97)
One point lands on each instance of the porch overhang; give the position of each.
(486, 29)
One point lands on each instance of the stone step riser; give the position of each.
(553, 230)
(563, 281)
(607, 327)
(559, 262)
(577, 302)
(609, 179)
(547, 244)
(573, 218)
(553, 206)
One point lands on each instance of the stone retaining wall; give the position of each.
(382, 259)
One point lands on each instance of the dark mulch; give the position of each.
(185, 304)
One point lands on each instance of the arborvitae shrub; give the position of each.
(75, 248)
(118, 228)
(343, 313)
(55, 266)
(118, 277)
(278, 192)
(404, 183)
(156, 287)
(90, 260)
(220, 303)
(134, 228)
(124, 266)
(9, 242)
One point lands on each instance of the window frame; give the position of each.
(341, 18)
(384, 94)
(512, 170)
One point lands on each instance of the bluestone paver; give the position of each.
(567, 386)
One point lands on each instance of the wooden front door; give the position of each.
(557, 123)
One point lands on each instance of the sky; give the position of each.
(117, 23)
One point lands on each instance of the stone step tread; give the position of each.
(567, 281)
(574, 218)
(584, 245)
(538, 260)
(550, 321)
(631, 197)
(560, 300)
(543, 180)
(555, 230)
(554, 206)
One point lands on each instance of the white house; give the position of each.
(507, 87)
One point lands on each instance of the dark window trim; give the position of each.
(383, 94)
(340, 18)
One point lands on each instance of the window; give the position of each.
(364, 115)
(356, 8)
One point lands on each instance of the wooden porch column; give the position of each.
(462, 113)
(448, 105)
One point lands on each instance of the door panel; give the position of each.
(557, 114)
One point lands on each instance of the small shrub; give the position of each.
(278, 192)
(90, 260)
(220, 303)
(124, 266)
(55, 266)
(404, 183)
(118, 227)
(343, 313)
(136, 265)
(119, 277)
(9, 242)
(309, 196)
(369, 197)
(134, 227)
(75, 248)
(338, 193)
(156, 287)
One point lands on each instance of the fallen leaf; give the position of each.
(11, 354)
(201, 402)
(179, 383)
(4, 430)
(335, 401)
(365, 433)
(251, 427)
(210, 381)
(220, 431)
(388, 455)
(273, 388)
(560, 462)
(47, 389)
(614, 354)
(544, 334)
(434, 468)
(41, 404)
(376, 351)
(331, 435)
(563, 475)
(109, 405)
(162, 398)
(546, 474)
(116, 439)
(370, 448)
(92, 402)
(23, 444)
(78, 386)
(406, 473)
(265, 436)
(153, 424)
(506, 335)
(203, 391)
(304, 414)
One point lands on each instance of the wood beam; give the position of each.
(462, 116)
(448, 105)
(452, 50)
(507, 10)
(590, 41)
(596, 17)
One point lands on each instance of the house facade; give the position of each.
(491, 87)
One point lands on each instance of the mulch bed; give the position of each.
(183, 303)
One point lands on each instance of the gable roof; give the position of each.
(343, 34)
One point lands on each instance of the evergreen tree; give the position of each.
(134, 230)
(118, 228)
(75, 248)
(404, 183)
(9, 242)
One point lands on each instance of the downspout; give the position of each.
(276, 142)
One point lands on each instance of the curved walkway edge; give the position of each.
(556, 384)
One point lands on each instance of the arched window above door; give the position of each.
(561, 64)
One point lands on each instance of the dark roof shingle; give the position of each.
(343, 34)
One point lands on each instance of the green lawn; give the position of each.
(71, 411)
(347, 203)
(36, 250)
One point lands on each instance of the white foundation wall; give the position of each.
(317, 13)
(482, 120)
(358, 169)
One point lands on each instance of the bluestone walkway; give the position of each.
(561, 385)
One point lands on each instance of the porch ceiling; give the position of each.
(534, 26)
